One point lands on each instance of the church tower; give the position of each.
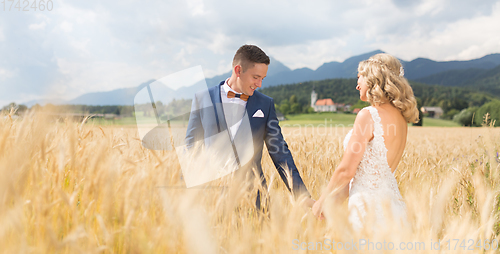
(314, 98)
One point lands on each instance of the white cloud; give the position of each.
(78, 78)
(432, 7)
(39, 26)
(474, 37)
(6, 74)
(463, 39)
(66, 26)
(196, 7)
(311, 54)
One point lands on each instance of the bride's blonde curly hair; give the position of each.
(385, 79)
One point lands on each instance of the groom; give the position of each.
(235, 111)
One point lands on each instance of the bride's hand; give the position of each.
(317, 209)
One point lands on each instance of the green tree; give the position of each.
(493, 108)
(465, 117)
(21, 109)
(360, 104)
(285, 108)
(450, 114)
(305, 109)
(160, 108)
(295, 108)
(11, 105)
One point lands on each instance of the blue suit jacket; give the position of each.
(210, 121)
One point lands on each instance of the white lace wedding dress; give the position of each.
(374, 193)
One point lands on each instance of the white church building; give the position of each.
(323, 105)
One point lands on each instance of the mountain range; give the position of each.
(482, 73)
(485, 80)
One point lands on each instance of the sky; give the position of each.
(78, 46)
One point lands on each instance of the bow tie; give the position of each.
(231, 94)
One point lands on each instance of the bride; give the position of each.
(374, 147)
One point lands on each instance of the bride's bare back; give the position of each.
(395, 132)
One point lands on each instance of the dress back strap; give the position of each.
(377, 126)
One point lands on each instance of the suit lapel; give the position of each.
(219, 112)
(252, 105)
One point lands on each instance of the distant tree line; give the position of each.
(296, 98)
(124, 111)
(464, 105)
(485, 80)
(340, 90)
(18, 109)
(487, 114)
(172, 109)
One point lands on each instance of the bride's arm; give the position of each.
(361, 135)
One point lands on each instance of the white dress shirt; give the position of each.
(234, 109)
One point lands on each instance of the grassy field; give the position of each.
(433, 122)
(340, 119)
(321, 119)
(88, 188)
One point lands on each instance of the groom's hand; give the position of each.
(306, 203)
(317, 209)
(309, 202)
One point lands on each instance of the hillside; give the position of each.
(417, 69)
(490, 82)
(485, 80)
(344, 91)
(422, 67)
(459, 78)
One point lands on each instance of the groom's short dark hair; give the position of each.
(248, 55)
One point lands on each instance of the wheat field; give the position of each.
(68, 187)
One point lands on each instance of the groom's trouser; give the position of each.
(255, 181)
